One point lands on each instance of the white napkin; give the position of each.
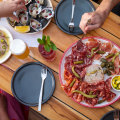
(30, 39)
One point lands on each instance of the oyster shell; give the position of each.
(41, 2)
(36, 25)
(23, 16)
(12, 21)
(47, 13)
(27, 2)
(34, 9)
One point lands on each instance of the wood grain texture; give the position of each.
(56, 108)
(60, 106)
(33, 115)
(60, 95)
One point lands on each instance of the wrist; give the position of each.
(103, 12)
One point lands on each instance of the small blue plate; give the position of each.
(109, 116)
(63, 13)
(26, 84)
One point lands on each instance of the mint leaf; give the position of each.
(40, 41)
(44, 38)
(47, 48)
(54, 47)
(48, 40)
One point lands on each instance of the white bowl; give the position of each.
(111, 82)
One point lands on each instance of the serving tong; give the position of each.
(71, 24)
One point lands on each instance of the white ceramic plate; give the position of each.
(8, 54)
(61, 72)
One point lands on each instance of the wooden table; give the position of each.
(61, 107)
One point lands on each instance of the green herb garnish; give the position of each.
(48, 44)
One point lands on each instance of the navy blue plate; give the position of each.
(63, 14)
(26, 84)
(109, 116)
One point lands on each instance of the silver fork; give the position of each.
(116, 115)
(43, 76)
(71, 24)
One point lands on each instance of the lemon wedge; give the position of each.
(22, 29)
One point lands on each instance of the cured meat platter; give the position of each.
(86, 72)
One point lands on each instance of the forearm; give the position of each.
(106, 6)
(2, 9)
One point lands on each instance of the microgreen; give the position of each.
(48, 44)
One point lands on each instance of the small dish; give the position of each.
(26, 84)
(115, 78)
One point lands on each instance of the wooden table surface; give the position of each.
(61, 107)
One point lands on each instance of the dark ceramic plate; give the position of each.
(63, 14)
(26, 84)
(109, 116)
(43, 21)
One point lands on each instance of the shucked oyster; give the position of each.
(41, 2)
(27, 1)
(34, 9)
(12, 21)
(47, 13)
(36, 25)
(23, 16)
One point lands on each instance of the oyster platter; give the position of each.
(36, 18)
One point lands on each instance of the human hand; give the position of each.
(7, 7)
(97, 19)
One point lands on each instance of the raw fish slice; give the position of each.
(34, 9)
(92, 43)
(36, 25)
(47, 13)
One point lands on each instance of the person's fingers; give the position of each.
(21, 6)
(20, 1)
(84, 21)
(14, 17)
(91, 27)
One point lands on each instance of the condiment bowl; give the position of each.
(117, 77)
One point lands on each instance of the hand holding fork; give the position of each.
(71, 24)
